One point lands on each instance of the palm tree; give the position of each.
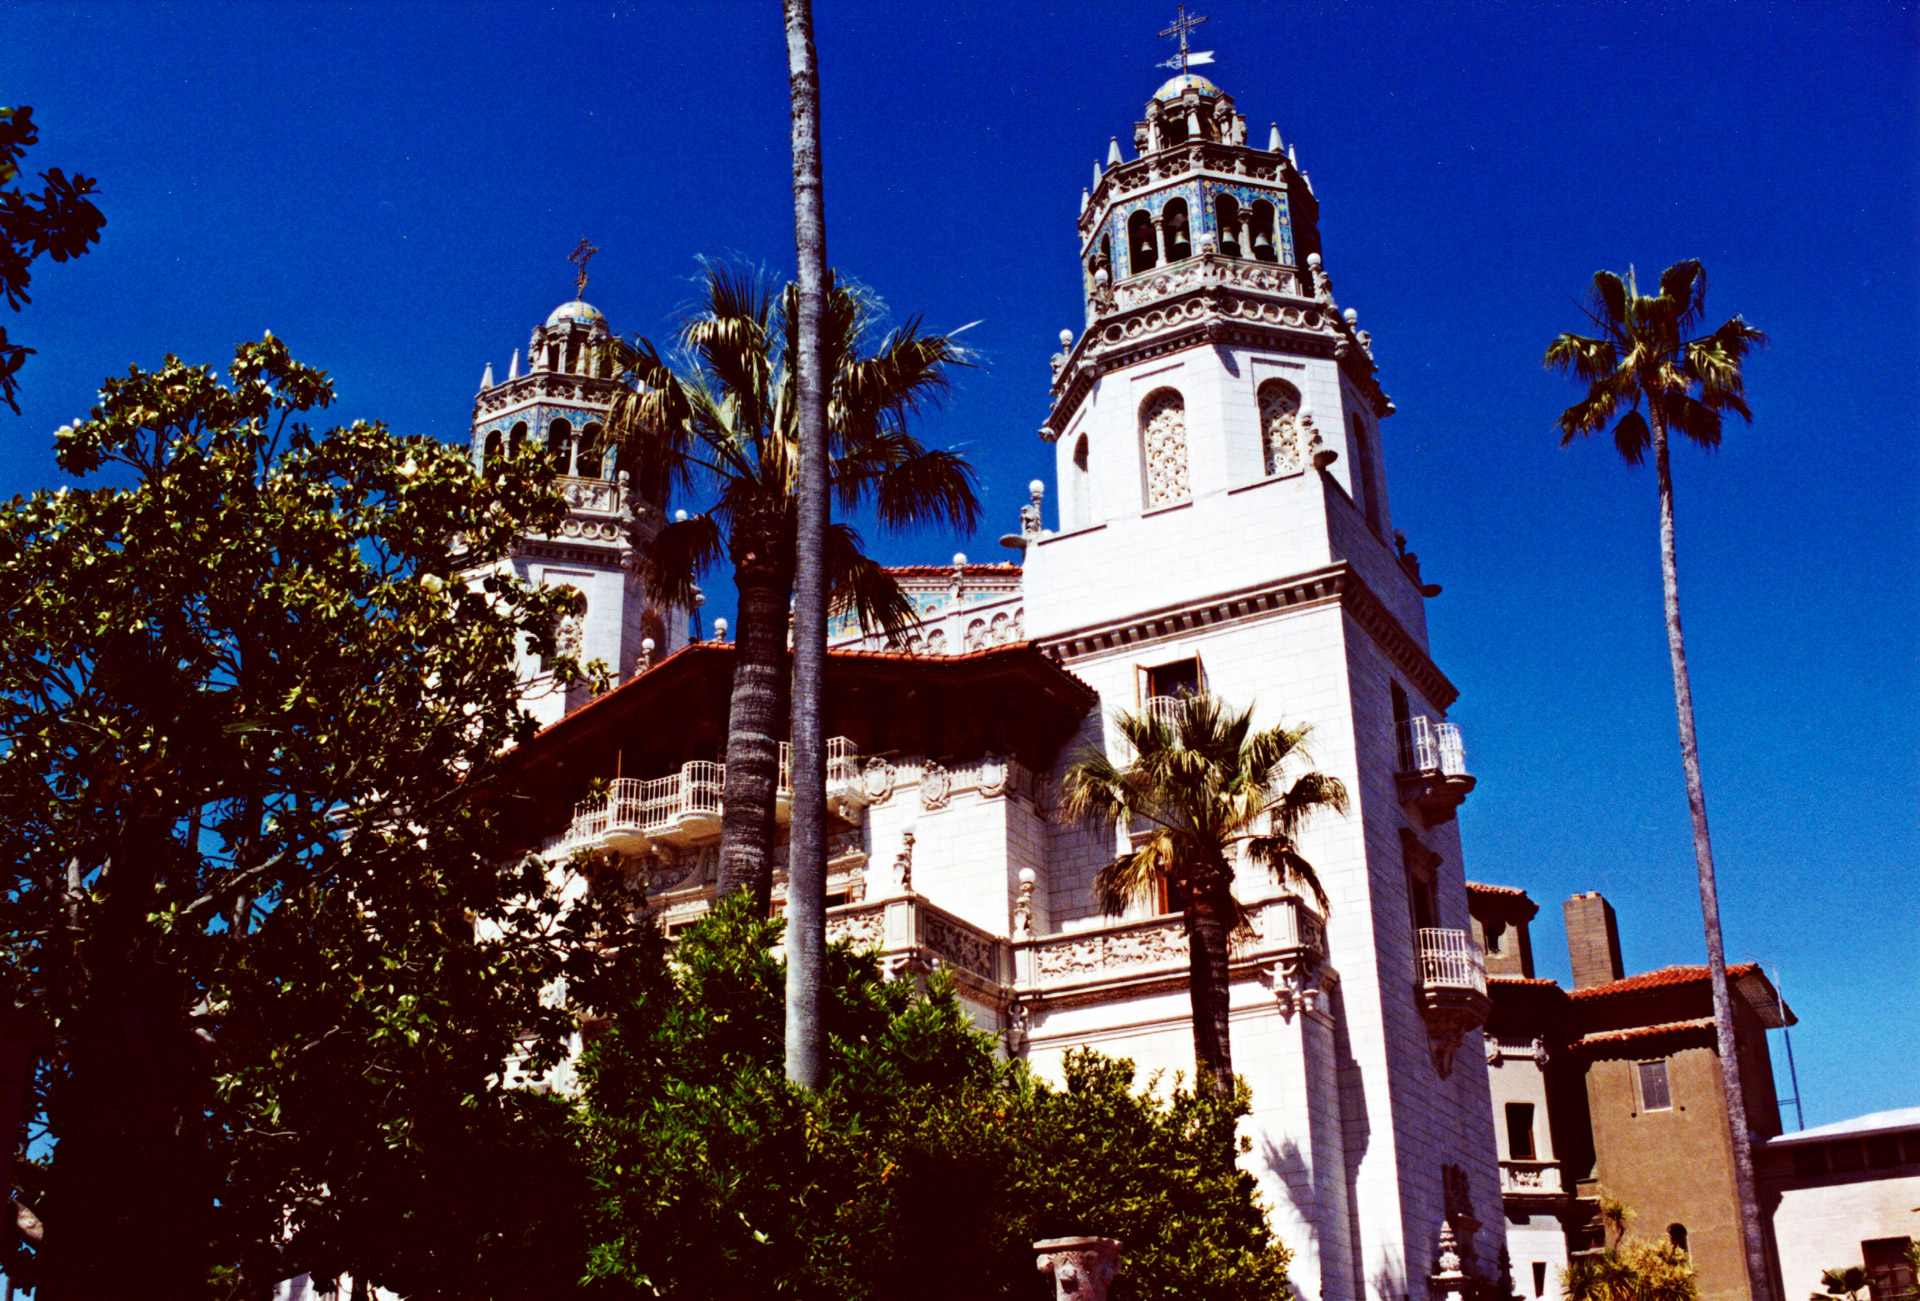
(1201, 790)
(726, 422)
(807, 856)
(1647, 350)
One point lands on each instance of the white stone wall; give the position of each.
(1820, 1225)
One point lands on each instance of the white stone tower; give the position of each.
(1224, 523)
(561, 403)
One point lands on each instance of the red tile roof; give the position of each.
(1508, 891)
(1529, 982)
(1664, 977)
(1647, 1031)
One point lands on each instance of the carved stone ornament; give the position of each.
(977, 635)
(959, 946)
(993, 775)
(1163, 427)
(1279, 427)
(1081, 1268)
(1019, 1027)
(877, 777)
(1449, 1283)
(1294, 989)
(936, 786)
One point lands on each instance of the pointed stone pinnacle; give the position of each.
(1273, 138)
(1113, 152)
(486, 380)
(513, 367)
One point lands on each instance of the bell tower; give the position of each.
(560, 403)
(1223, 522)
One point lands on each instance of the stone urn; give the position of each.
(1081, 1268)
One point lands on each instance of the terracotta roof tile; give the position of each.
(1660, 979)
(997, 570)
(1508, 891)
(1530, 982)
(1646, 1031)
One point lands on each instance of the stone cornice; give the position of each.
(545, 386)
(1335, 583)
(1208, 310)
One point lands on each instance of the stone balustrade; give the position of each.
(1531, 1179)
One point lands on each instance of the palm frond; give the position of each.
(1134, 876)
(1684, 285)
(1695, 419)
(673, 560)
(1632, 437)
(1609, 297)
(863, 586)
(1586, 359)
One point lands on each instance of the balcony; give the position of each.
(684, 807)
(1522, 1181)
(1453, 991)
(1433, 774)
(1165, 710)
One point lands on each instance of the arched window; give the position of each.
(1677, 1235)
(1226, 218)
(517, 438)
(1106, 254)
(589, 459)
(560, 445)
(1364, 476)
(1163, 447)
(1280, 448)
(490, 450)
(1078, 491)
(553, 356)
(1263, 231)
(1143, 250)
(1173, 220)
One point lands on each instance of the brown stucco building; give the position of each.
(1615, 1085)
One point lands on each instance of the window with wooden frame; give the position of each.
(1655, 1094)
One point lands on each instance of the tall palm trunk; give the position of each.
(756, 712)
(1757, 1271)
(1209, 926)
(807, 861)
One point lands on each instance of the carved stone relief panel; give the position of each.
(1280, 427)
(1163, 431)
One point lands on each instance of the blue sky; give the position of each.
(393, 189)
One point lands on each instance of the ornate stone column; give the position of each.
(1160, 238)
(1081, 1268)
(1246, 232)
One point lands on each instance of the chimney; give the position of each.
(1593, 940)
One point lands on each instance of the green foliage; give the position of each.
(1846, 1281)
(721, 417)
(248, 723)
(1646, 348)
(1630, 1268)
(926, 1167)
(60, 221)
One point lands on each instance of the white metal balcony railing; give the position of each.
(681, 806)
(1427, 746)
(1164, 710)
(843, 766)
(1450, 959)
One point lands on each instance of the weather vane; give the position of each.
(1181, 26)
(580, 257)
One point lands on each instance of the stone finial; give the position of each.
(1273, 138)
(1081, 1268)
(1293, 158)
(486, 379)
(1449, 1283)
(513, 367)
(1098, 175)
(719, 629)
(1023, 905)
(1086, 200)
(1113, 152)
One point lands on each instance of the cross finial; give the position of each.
(1181, 26)
(580, 257)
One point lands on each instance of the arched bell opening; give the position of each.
(1262, 224)
(1143, 249)
(490, 448)
(592, 455)
(517, 438)
(1179, 235)
(1226, 220)
(1079, 487)
(560, 445)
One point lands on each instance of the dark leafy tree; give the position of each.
(248, 722)
(60, 221)
(725, 422)
(1200, 791)
(924, 1166)
(1650, 349)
